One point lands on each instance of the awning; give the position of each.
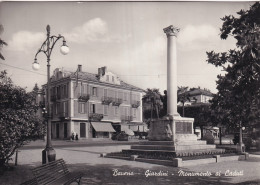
(128, 131)
(102, 127)
(134, 128)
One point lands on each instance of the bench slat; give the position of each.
(69, 178)
(51, 166)
(55, 171)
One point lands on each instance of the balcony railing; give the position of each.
(63, 115)
(83, 97)
(117, 101)
(126, 118)
(95, 116)
(106, 100)
(135, 104)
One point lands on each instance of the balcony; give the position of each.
(135, 104)
(106, 100)
(83, 97)
(63, 115)
(117, 101)
(95, 116)
(126, 118)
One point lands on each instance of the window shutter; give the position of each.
(90, 108)
(86, 108)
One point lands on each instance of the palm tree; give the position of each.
(153, 97)
(2, 42)
(183, 96)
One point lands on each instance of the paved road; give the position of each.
(99, 170)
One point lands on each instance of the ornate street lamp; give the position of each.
(48, 154)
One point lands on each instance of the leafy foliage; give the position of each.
(2, 42)
(152, 97)
(201, 113)
(238, 97)
(18, 120)
(183, 96)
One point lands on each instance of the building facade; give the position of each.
(92, 105)
(198, 95)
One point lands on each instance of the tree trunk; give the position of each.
(182, 109)
(201, 130)
(151, 111)
(157, 112)
(220, 136)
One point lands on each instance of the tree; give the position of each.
(153, 97)
(183, 96)
(238, 97)
(2, 42)
(18, 120)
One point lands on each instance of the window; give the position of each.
(57, 108)
(105, 92)
(81, 108)
(94, 91)
(116, 110)
(134, 112)
(82, 89)
(116, 94)
(125, 96)
(61, 91)
(58, 90)
(105, 110)
(65, 91)
(107, 78)
(65, 107)
(113, 79)
(51, 109)
(92, 108)
(85, 89)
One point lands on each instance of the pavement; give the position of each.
(78, 143)
(98, 170)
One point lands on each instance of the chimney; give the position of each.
(79, 68)
(102, 71)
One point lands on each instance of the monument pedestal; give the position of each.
(172, 128)
(172, 137)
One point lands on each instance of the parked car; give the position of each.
(121, 136)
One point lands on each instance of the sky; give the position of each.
(127, 37)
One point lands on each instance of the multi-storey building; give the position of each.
(93, 105)
(198, 95)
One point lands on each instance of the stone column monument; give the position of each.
(173, 127)
(171, 136)
(171, 33)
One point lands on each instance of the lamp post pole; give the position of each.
(49, 154)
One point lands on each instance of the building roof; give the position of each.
(95, 78)
(198, 91)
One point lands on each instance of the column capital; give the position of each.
(171, 31)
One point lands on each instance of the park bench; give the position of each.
(53, 173)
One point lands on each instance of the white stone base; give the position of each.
(171, 128)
